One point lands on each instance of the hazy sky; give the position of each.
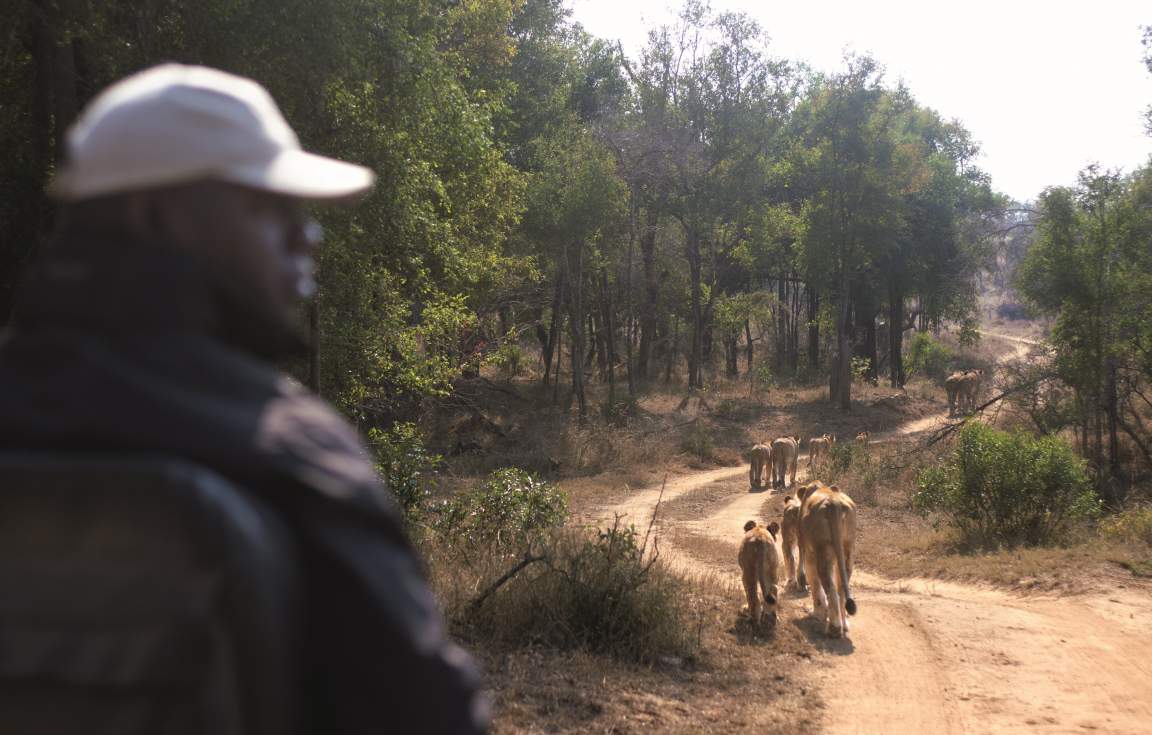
(1045, 87)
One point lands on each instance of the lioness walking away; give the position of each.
(827, 537)
(759, 560)
(759, 460)
(785, 451)
(820, 447)
(790, 531)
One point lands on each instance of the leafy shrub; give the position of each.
(1131, 526)
(926, 356)
(854, 468)
(698, 441)
(1001, 489)
(401, 461)
(604, 593)
(511, 508)
(969, 333)
(763, 381)
(507, 358)
(861, 369)
(619, 411)
(844, 456)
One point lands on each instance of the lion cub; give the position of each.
(759, 560)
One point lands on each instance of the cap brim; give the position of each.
(305, 175)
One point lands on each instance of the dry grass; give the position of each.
(743, 681)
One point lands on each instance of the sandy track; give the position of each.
(932, 657)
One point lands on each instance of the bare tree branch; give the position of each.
(527, 561)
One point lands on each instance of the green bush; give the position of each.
(1131, 526)
(605, 594)
(763, 380)
(861, 369)
(698, 441)
(1001, 489)
(926, 356)
(511, 508)
(844, 456)
(507, 358)
(401, 461)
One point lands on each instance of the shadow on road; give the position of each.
(751, 635)
(813, 630)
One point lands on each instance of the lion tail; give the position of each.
(835, 531)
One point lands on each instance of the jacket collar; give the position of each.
(120, 288)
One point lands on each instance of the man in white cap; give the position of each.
(181, 254)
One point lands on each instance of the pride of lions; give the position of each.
(813, 543)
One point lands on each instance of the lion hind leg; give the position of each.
(753, 598)
(819, 600)
(833, 623)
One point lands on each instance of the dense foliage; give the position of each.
(1006, 489)
(510, 509)
(538, 189)
(1091, 269)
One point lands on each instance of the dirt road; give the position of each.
(932, 657)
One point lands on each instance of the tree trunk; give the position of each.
(866, 315)
(609, 337)
(631, 316)
(554, 327)
(596, 341)
(695, 351)
(781, 327)
(649, 311)
(732, 353)
(794, 328)
(672, 350)
(843, 367)
(896, 335)
(748, 343)
(1112, 407)
(813, 328)
(576, 320)
(559, 321)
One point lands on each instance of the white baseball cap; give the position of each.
(172, 124)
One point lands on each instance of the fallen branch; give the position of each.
(948, 429)
(527, 561)
(655, 511)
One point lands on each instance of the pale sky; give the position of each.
(1044, 87)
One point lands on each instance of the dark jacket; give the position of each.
(127, 349)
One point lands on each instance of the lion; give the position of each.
(827, 538)
(969, 388)
(952, 387)
(790, 536)
(760, 459)
(759, 560)
(820, 446)
(785, 451)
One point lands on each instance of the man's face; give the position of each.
(258, 243)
